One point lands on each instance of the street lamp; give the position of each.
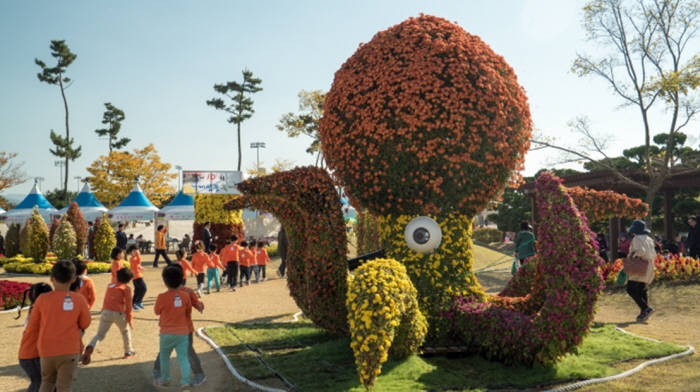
(257, 146)
(78, 178)
(179, 177)
(60, 165)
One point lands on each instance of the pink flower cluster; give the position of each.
(668, 268)
(11, 293)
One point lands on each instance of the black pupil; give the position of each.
(421, 235)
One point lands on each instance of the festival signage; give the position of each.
(217, 181)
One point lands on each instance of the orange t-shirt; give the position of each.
(27, 346)
(186, 266)
(160, 239)
(246, 256)
(116, 266)
(195, 303)
(214, 261)
(175, 310)
(229, 253)
(118, 299)
(200, 261)
(135, 263)
(56, 323)
(87, 290)
(261, 257)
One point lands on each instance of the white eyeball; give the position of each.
(423, 234)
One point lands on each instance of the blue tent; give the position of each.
(181, 208)
(23, 210)
(88, 204)
(136, 207)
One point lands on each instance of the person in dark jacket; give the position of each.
(524, 242)
(121, 237)
(206, 235)
(692, 243)
(282, 246)
(602, 246)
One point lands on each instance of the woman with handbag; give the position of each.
(639, 266)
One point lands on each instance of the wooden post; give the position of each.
(614, 233)
(668, 215)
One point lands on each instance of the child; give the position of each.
(185, 265)
(117, 264)
(28, 354)
(55, 323)
(197, 372)
(175, 310)
(254, 267)
(86, 287)
(261, 259)
(246, 259)
(229, 255)
(200, 260)
(116, 309)
(139, 285)
(213, 269)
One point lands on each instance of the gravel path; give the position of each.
(108, 372)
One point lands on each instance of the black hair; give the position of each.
(233, 238)
(116, 252)
(260, 244)
(179, 254)
(207, 223)
(524, 226)
(63, 271)
(212, 248)
(121, 226)
(252, 244)
(33, 292)
(80, 266)
(172, 276)
(131, 248)
(244, 243)
(160, 227)
(124, 275)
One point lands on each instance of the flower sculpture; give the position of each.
(423, 126)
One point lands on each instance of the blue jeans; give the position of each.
(180, 343)
(213, 274)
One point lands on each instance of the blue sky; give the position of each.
(158, 61)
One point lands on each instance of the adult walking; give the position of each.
(206, 235)
(639, 267)
(161, 246)
(692, 243)
(282, 246)
(121, 237)
(524, 242)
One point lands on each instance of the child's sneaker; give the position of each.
(129, 354)
(135, 307)
(161, 384)
(186, 388)
(140, 305)
(647, 313)
(198, 379)
(156, 374)
(85, 359)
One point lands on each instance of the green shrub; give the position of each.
(39, 239)
(272, 250)
(18, 258)
(25, 238)
(488, 235)
(104, 240)
(29, 268)
(64, 240)
(12, 240)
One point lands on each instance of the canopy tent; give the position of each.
(88, 204)
(181, 208)
(136, 207)
(23, 210)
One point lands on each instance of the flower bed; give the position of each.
(672, 268)
(25, 265)
(11, 293)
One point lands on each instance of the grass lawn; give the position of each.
(313, 360)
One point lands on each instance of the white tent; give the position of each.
(23, 210)
(181, 208)
(88, 204)
(136, 207)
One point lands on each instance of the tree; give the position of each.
(10, 173)
(58, 197)
(56, 75)
(241, 106)
(39, 237)
(112, 176)
(64, 240)
(257, 171)
(647, 68)
(305, 121)
(282, 165)
(25, 239)
(77, 220)
(514, 208)
(12, 247)
(104, 240)
(113, 118)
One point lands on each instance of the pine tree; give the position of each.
(64, 240)
(12, 240)
(113, 118)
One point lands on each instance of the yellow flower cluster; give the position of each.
(440, 275)
(382, 308)
(39, 237)
(104, 240)
(210, 208)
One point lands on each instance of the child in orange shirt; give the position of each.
(139, 285)
(56, 323)
(247, 261)
(185, 265)
(28, 354)
(213, 269)
(200, 260)
(175, 310)
(85, 286)
(229, 256)
(198, 377)
(117, 263)
(116, 309)
(261, 259)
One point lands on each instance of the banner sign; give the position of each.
(220, 181)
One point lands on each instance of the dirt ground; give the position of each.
(109, 372)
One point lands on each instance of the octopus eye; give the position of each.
(423, 234)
